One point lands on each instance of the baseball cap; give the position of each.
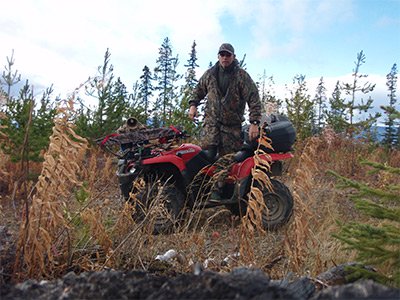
(225, 47)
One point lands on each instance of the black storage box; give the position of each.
(279, 129)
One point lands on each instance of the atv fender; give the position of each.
(243, 169)
(174, 160)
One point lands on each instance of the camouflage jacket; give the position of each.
(227, 109)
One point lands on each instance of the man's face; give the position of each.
(225, 58)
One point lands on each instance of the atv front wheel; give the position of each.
(161, 204)
(279, 203)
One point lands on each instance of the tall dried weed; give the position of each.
(256, 206)
(299, 239)
(39, 248)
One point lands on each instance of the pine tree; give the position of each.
(269, 101)
(336, 116)
(43, 123)
(166, 76)
(190, 78)
(320, 103)
(28, 129)
(112, 103)
(117, 106)
(145, 92)
(9, 77)
(180, 115)
(377, 245)
(352, 89)
(300, 108)
(391, 128)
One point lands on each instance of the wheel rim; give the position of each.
(275, 208)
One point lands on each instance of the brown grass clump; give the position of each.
(39, 248)
(256, 206)
(299, 239)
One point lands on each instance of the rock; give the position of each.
(340, 274)
(363, 289)
(240, 283)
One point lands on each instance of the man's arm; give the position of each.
(252, 97)
(199, 93)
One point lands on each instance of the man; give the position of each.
(226, 88)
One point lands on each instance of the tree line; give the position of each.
(160, 98)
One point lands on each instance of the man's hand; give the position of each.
(253, 132)
(192, 112)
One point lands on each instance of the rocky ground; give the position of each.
(240, 283)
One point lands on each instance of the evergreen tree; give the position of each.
(391, 128)
(320, 103)
(377, 245)
(242, 62)
(145, 92)
(43, 123)
(9, 77)
(300, 108)
(180, 114)
(270, 103)
(336, 116)
(190, 78)
(166, 76)
(112, 103)
(352, 106)
(28, 129)
(117, 106)
(137, 106)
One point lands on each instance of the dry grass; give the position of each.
(78, 221)
(39, 246)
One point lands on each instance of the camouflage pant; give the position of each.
(227, 139)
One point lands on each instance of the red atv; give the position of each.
(151, 169)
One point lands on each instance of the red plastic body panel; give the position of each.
(177, 156)
(243, 169)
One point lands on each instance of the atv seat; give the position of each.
(246, 152)
(210, 155)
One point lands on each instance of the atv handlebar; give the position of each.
(134, 141)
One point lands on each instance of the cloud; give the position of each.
(74, 35)
(63, 42)
(284, 26)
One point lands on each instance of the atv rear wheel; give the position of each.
(279, 203)
(161, 204)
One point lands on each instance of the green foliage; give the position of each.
(392, 130)
(166, 76)
(336, 116)
(27, 128)
(270, 103)
(9, 76)
(112, 104)
(169, 106)
(300, 108)
(82, 194)
(180, 116)
(377, 245)
(145, 92)
(320, 106)
(354, 105)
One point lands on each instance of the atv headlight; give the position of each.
(132, 170)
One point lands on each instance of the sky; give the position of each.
(62, 43)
